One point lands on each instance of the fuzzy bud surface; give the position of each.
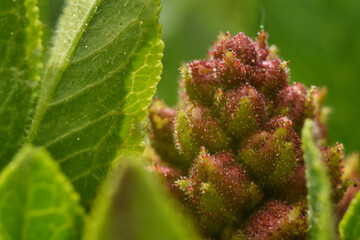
(235, 137)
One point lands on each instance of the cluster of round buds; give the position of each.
(218, 190)
(235, 138)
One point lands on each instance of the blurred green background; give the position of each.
(321, 39)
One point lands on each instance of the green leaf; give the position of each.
(37, 201)
(20, 50)
(49, 13)
(350, 224)
(133, 205)
(320, 217)
(98, 83)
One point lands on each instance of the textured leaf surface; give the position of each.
(350, 224)
(133, 205)
(37, 201)
(49, 13)
(20, 50)
(320, 218)
(98, 83)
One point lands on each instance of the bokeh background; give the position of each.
(321, 39)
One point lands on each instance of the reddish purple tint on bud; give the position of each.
(238, 105)
(231, 71)
(333, 158)
(270, 77)
(244, 111)
(278, 122)
(161, 130)
(290, 102)
(351, 171)
(207, 130)
(200, 80)
(184, 141)
(168, 174)
(272, 157)
(277, 221)
(219, 189)
(241, 45)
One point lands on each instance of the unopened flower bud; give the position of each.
(277, 221)
(161, 134)
(184, 141)
(244, 111)
(200, 80)
(240, 44)
(352, 172)
(272, 157)
(168, 174)
(290, 102)
(271, 77)
(207, 131)
(239, 102)
(219, 188)
(231, 71)
(333, 158)
(314, 108)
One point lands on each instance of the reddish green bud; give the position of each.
(270, 77)
(239, 102)
(195, 127)
(315, 101)
(200, 80)
(333, 158)
(219, 188)
(277, 221)
(290, 102)
(262, 46)
(351, 171)
(161, 134)
(183, 137)
(204, 129)
(241, 45)
(244, 111)
(314, 108)
(273, 156)
(231, 71)
(167, 174)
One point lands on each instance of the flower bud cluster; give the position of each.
(235, 139)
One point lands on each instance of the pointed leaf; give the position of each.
(20, 50)
(37, 201)
(350, 224)
(98, 83)
(320, 217)
(133, 205)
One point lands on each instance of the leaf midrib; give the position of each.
(46, 95)
(106, 77)
(113, 112)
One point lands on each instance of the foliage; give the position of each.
(73, 106)
(37, 200)
(349, 226)
(321, 222)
